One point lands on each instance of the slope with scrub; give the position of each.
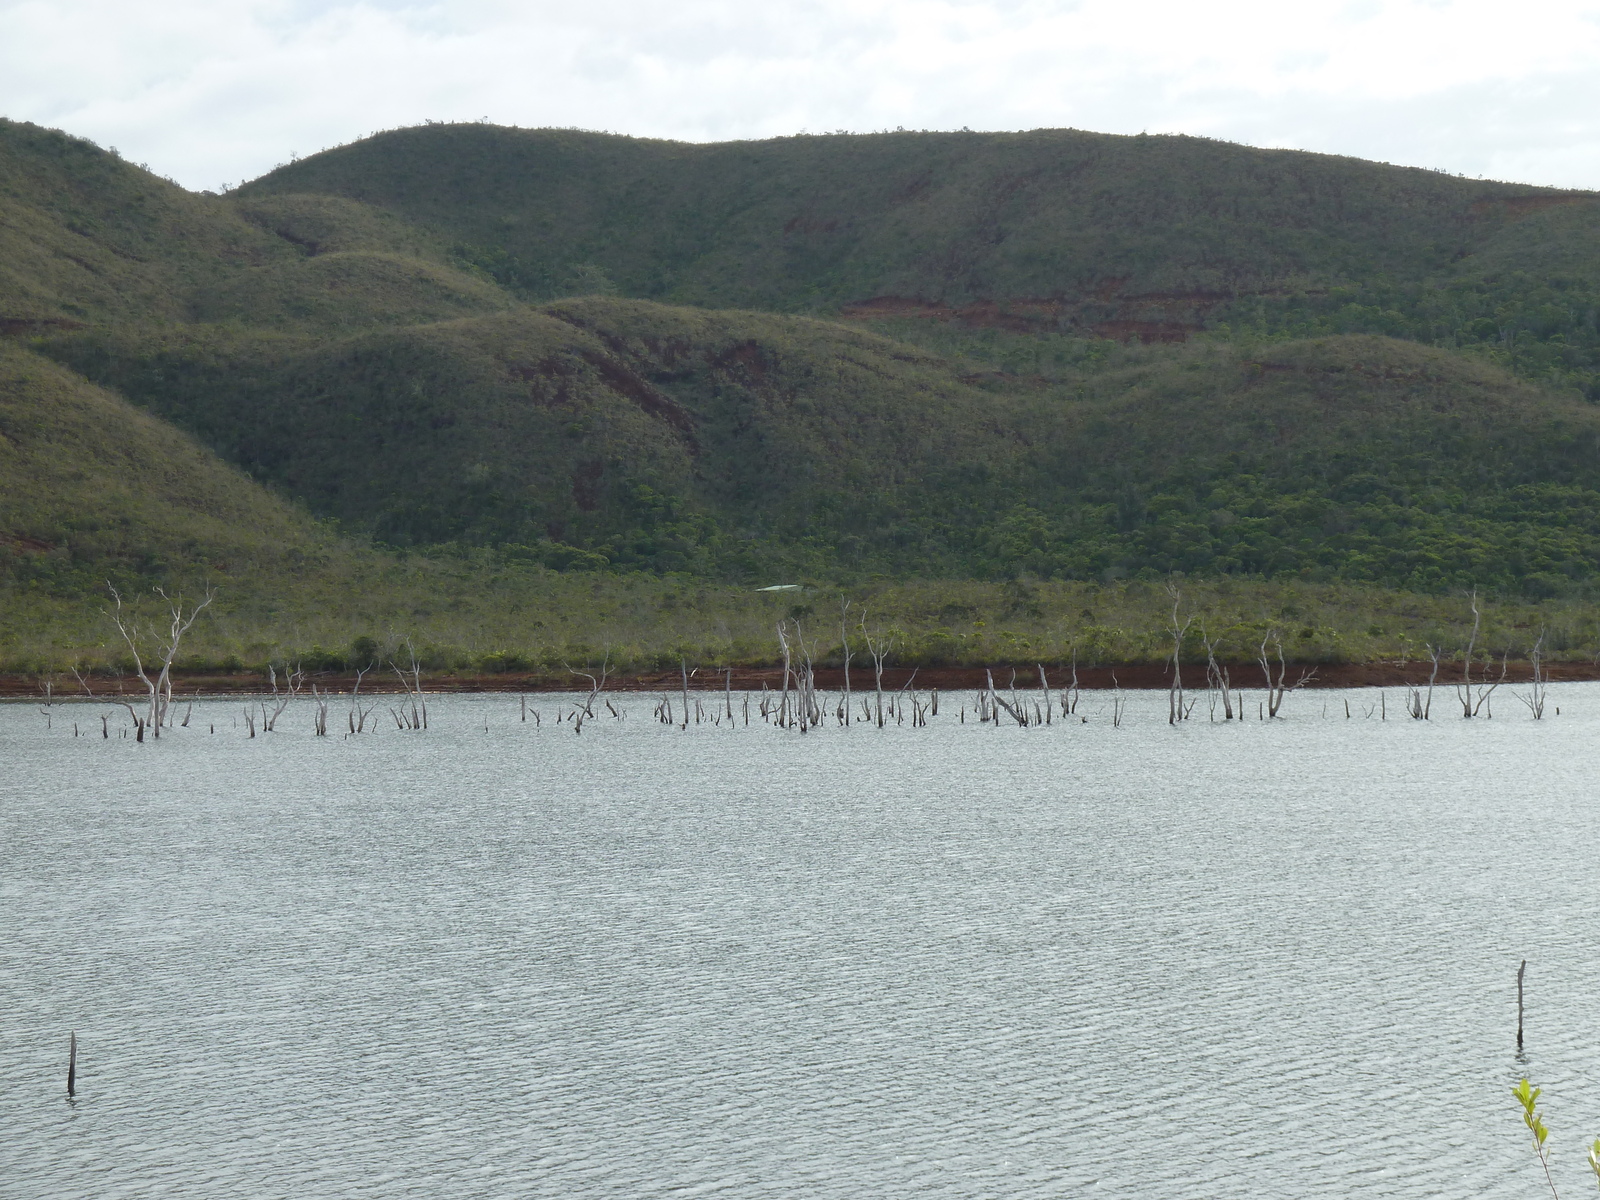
(356, 332)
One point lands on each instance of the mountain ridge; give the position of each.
(683, 222)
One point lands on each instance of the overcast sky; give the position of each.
(211, 91)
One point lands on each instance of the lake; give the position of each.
(500, 959)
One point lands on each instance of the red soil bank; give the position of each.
(951, 679)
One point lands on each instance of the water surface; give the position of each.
(501, 959)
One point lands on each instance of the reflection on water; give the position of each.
(955, 961)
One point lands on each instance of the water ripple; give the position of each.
(1265, 959)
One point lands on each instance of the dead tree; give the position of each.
(411, 679)
(1175, 708)
(159, 689)
(1276, 688)
(596, 683)
(810, 707)
(783, 698)
(1477, 698)
(802, 690)
(1536, 690)
(138, 721)
(293, 678)
(49, 689)
(1464, 688)
(900, 697)
(358, 715)
(1217, 678)
(1419, 706)
(1487, 688)
(844, 638)
(878, 647)
(999, 702)
(799, 667)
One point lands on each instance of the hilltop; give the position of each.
(953, 219)
(89, 240)
(1058, 230)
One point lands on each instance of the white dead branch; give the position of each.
(162, 643)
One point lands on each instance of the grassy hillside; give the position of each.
(735, 445)
(346, 290)
(90, 486)
(87, 239)
(637, 434)
(1343, 457)
(316, 224)
(1062, 356)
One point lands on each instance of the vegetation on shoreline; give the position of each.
(473, 615)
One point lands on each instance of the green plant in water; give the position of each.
(1594, 1160)
(1528, 1097)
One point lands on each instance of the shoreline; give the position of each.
(1129, 676)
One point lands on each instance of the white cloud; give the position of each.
(209, 92)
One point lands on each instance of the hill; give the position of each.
(601, 432)
(985, 356)
(594, 431)
(1052, 231)
(87, 240)
(86, 237)
(1351, 457)
(1068, 229)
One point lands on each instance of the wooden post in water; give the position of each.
(1520, 971)
(72, 1065)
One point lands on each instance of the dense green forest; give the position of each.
(473, 370)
